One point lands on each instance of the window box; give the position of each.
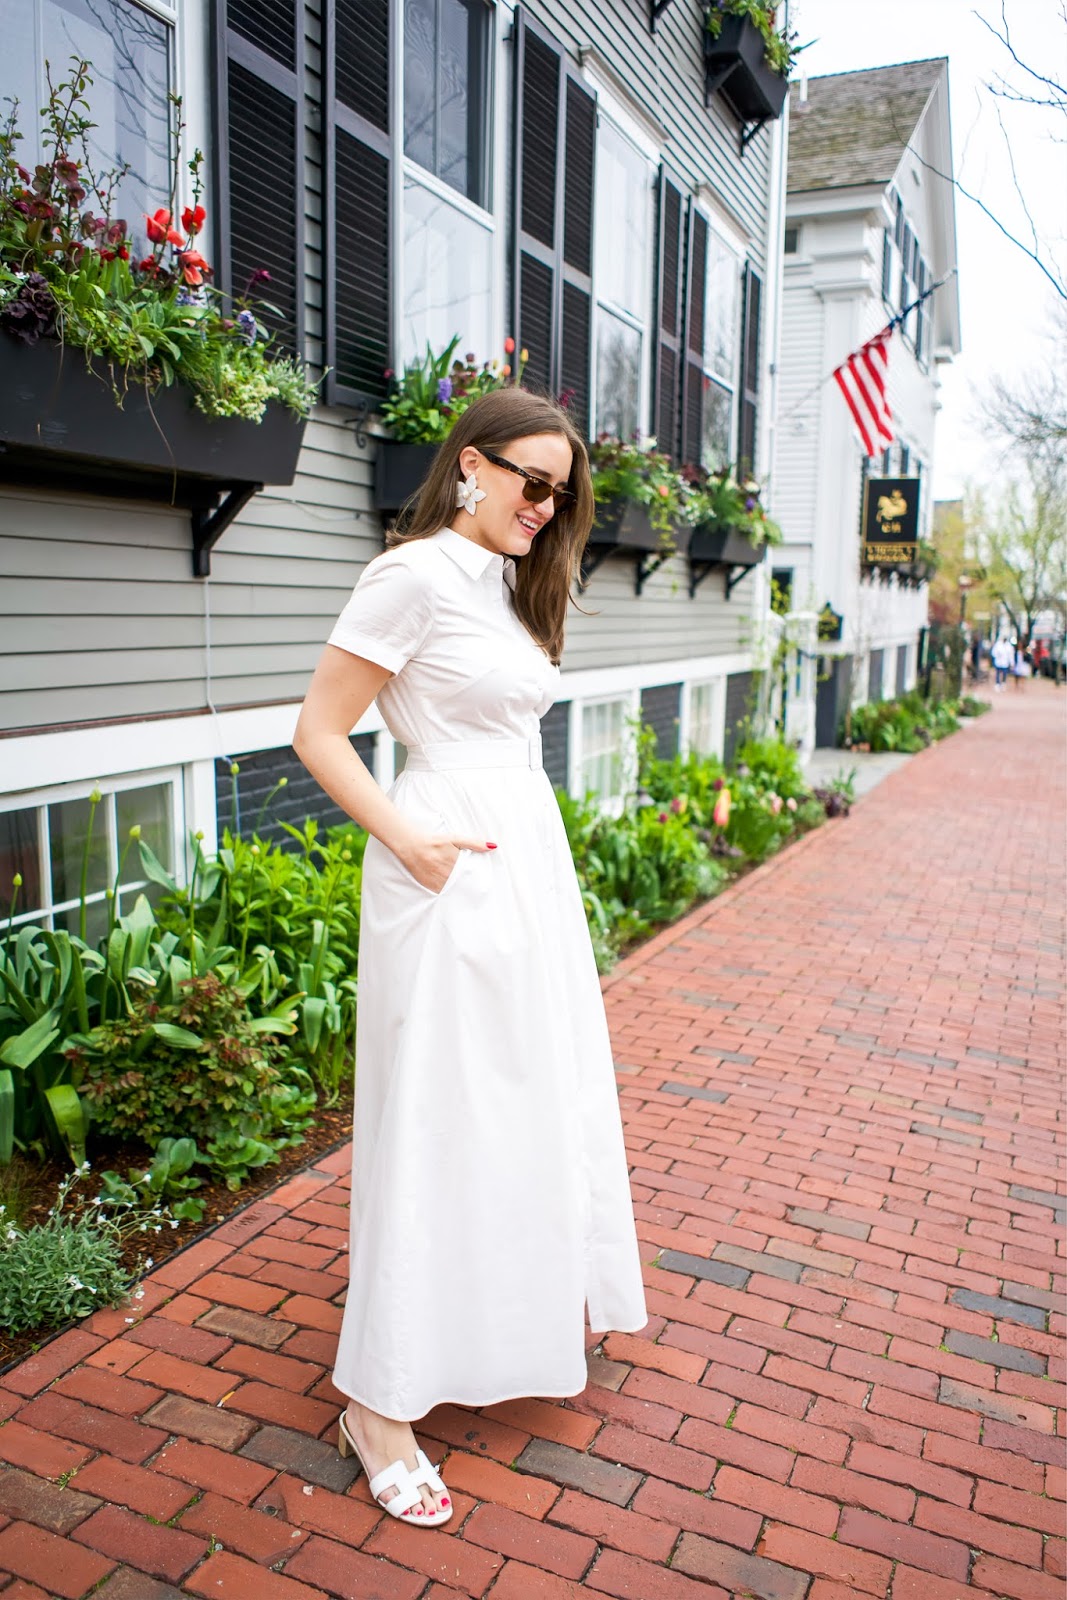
(400, 470)
(735, 65)
(719, 545)
(60, 426)
(626, 526)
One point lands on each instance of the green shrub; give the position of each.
(203, 1068)
(72, 1263)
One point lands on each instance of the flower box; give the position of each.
(736, 66)
(625, 525)
(399, 471)
(718, 544)
(59, 419)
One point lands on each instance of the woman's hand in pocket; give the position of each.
(431, 858)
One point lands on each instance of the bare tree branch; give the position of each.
(1059, 92)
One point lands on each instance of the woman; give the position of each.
(490, 1195)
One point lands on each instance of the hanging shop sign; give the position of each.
(831, 624)
(890, 521)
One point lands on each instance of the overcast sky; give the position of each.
(1005, 301)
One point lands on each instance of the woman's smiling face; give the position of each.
(505, 521)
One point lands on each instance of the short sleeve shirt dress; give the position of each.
(490, 1194)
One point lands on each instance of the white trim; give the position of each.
(631, 120)
(717, 685)
(604, 683)
(630, 700)
(29, 762)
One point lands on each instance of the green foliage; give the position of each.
(642, 475)
(425, 402)
(76, 274)
(202, 1066)
(781, 50)
(774, 765)
(166, 1181)
(720, 499)
(907, 725)
(970, 706)
(72, 1263)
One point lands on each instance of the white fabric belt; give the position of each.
(451, 753)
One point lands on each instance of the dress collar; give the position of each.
(475, 559)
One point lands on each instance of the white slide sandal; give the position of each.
(404, 1480)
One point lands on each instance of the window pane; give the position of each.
(96, 920)
(68, 827)
(722, 328)
(718, 430)
(18, 853)
(447, 275)
(149, 808)
(618, 376)
(129, 52)
(446, 90)
(623, 213)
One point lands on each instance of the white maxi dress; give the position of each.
(490, 1193)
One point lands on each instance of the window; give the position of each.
(46, 842)
(623, 234)
(601, 768)
(129, 47)
(791, 243)
(705, 713)
(722, 345)
(448, 274)
(446, 91)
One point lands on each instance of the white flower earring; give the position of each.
(468, 494)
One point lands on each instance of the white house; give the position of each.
(870, 224)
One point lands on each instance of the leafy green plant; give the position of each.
(971, 706)
(72, 272)
(72, 1263)
(639, 473)
(202, 1067)
(720, 500)
(166, 1181)
(780, 50)
(907, 725)
(431, 393)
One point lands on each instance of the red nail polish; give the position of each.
(489, 846)
(444, 1500)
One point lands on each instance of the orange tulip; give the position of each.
(721, 814)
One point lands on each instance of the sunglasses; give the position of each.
(535, 489)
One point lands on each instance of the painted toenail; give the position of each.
(445, 1501)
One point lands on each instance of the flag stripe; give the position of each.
(862, 380)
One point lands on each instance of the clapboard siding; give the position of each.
(663, 624)
(803, 364)
(251, 802)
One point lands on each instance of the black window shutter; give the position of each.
(750, 350)
(554, 175)
(670, 280)
(356, 237)
(259, 160)
(693, 377)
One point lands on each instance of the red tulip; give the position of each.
(193, 267)
(193, 219)
(160, 230)
(509, 346)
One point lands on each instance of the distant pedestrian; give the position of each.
(1003, 661)
(976, 658)
(1020, 667)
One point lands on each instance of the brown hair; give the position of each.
(546, 572)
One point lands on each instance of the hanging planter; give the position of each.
(61, 427)
(626, 526)
(736, 66)
(720, 545)
(400, 470)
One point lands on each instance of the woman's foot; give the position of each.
(381, 1441)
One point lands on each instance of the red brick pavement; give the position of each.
(840, 1084)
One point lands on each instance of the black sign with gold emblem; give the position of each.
(890, 521)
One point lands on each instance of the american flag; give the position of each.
(862, 381)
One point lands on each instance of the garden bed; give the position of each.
(37, 1184)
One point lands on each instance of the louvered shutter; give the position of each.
(750, 373)
(693, 373)
(259, 163)
(356, 257)
(554, 172)
(670, 283)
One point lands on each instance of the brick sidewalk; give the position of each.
(840, 1083)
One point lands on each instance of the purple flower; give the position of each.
(246, 321)
(750, 503)
(444, 389)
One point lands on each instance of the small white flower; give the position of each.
(149, 1262)
(174, 1222)
(138, 1294)
(468, 494)
(75, 1282)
